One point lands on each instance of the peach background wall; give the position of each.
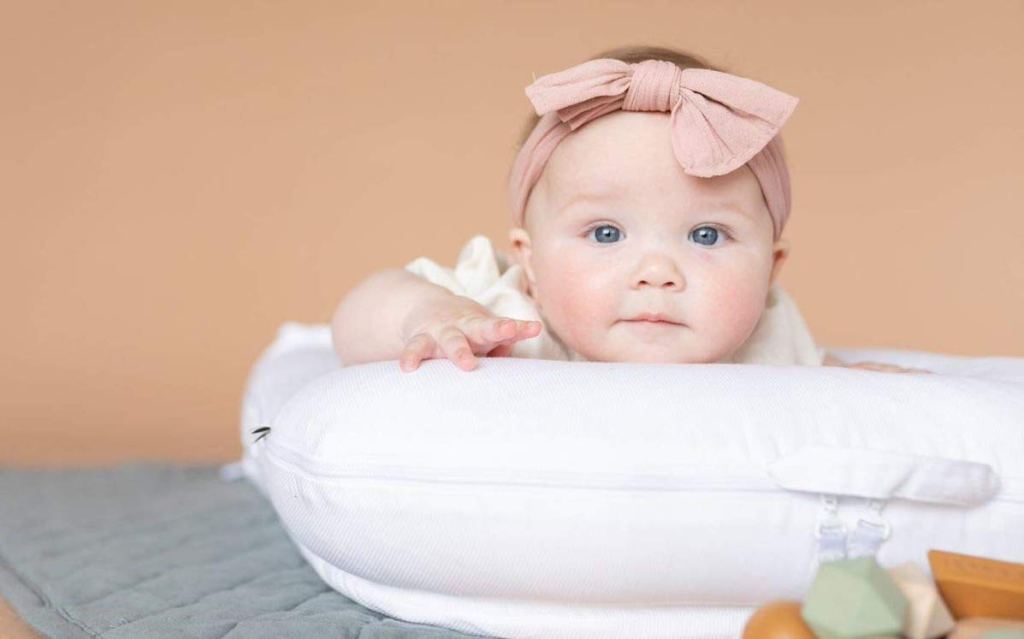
(179, 178)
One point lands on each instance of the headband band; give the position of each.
(719, 122)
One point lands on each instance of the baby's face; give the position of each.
(615, 229)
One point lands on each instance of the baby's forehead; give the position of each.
(598, 180)
(614, 148)
(629, 155)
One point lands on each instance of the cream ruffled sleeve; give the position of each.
(488, 278)
(781, 336)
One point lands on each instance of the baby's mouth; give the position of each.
(653, 319)
(647, 325)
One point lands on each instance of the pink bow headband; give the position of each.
(719, 122)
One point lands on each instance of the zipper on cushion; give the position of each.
(339, 469)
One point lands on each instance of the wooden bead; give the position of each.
(983, 627)
(977, 586)
(777, 620)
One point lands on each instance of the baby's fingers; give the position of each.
(506, 329)
(456, 348)
(529, 329)
(485, 331)
(888, 368)
(417, 349)
(503, 350)
(490, 331)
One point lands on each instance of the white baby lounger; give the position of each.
(538, 498)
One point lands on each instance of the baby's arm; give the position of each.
(367, 324)
(832, 360)
(395, 314)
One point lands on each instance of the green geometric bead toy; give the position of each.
(854, 599)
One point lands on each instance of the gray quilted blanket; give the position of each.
(159, 550)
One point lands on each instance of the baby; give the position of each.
(648, 201)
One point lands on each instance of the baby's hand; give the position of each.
(887, 368)
(458, 331)
(832, 360)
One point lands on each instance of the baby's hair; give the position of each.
(632, 55)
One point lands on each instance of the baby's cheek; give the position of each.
(733, 312)
(574, 305)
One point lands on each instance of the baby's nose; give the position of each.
(660, 274)
(660, 282)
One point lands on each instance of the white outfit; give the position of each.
(490, 279)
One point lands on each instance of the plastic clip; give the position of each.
(830, 531)
(871, 531)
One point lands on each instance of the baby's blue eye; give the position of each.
(705, 235)
(606, 233)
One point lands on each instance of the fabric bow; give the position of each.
(719, 121)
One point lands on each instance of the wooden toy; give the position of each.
(777, 620)
(853, 598)
(927, 616)
(977, 586)
(985, 628)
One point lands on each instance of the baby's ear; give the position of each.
(522, 251)
(780, 251)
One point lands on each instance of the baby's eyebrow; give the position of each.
(730, 209)
(588, 196)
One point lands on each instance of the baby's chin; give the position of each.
(650, 352)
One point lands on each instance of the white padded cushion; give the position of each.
(535, 498)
